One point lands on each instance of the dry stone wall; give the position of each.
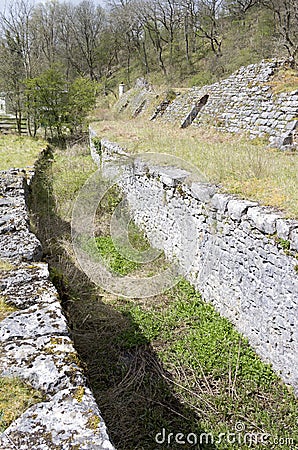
(35, 343)
(245, 259)
(243, 102)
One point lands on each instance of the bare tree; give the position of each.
(208, 18)
(286, 14)
(86, 25)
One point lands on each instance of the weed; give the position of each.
(284, 243)
(117, 263)
(15, 398)
(5, 309)
(97, 144)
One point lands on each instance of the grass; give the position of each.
(5, 309)
(15, 398)
(285, 80)
(19, 151)
(165, 362)
(240, 165)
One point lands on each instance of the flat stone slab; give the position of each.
(70, 420)
(34, 341)
(263, 220)
(33, 322)
(20, 246)
(49, 364)
(27, 286)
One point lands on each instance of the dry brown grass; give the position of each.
(240, 165)
(285, 80)
(19, 151)
(15, 398)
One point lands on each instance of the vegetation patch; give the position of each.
(19, 151)
(5, 265)
(5, 309)
(15, 397)
(285, 80)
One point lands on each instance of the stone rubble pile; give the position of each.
(35, 343)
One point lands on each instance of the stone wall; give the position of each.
(245, 256)
(243, 102)
(35, 343)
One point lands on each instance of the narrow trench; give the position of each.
(161, 369)
(133, 390)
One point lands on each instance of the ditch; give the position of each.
(167, 371)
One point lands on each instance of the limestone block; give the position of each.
(203, 191)
(220, 202)
(284, 227)
(237, 208)
(294, 239)
(47, 363)
(34, 321)
(263, 220)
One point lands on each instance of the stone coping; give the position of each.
(35, 342)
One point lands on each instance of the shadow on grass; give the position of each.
(128, 381)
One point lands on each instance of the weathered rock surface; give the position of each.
(35, 344)
(69, 420)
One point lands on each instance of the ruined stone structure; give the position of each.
(244, 255)
(243, 102)
(35, 343)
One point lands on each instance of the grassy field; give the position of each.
(19, 151)
(240, 165)
(168, 362)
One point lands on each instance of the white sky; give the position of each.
(4, 3)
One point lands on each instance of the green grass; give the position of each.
(19, 151)
(240, 165)
(112, 259)
(15, 398)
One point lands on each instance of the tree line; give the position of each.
(55, 56)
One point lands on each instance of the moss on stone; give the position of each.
(79, 393)
(93, 422)
(15, 398)
(5, 265)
